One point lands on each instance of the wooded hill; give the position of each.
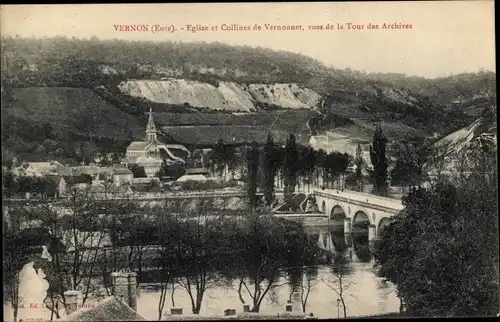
(351, 101)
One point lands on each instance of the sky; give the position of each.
(446, 37)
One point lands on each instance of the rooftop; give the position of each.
(110, 309)
(122, 171)
(197, 171)
(192, 177)
(241, 316)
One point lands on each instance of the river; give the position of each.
(365, 293)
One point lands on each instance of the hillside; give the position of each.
(199, 90)
(442, 90)
(482, 131)
(52, 121)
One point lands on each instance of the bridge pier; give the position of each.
(348, 231)
(372, 235)
(347, 226)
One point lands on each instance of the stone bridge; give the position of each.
(355, 212)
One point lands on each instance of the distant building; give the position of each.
(201, 171)
(145, 181)
(122, 176)
(151, 165)
(192, 177)
(40, 169)
(92, 171)
(72, 180)
(153, 148)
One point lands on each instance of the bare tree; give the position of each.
(77, 235)
(198, 250)
(336, 281)
(266, 245)
(166, 262)
(307, 285)
(15, 257)
(258, 266)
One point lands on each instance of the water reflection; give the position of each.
(363, 292)
(355, 244)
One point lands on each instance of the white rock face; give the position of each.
(228, 96)
(285, 95)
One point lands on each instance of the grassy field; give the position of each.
(208, 129)
(281, 119)
(203, 135)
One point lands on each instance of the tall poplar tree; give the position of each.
(379, 161)
(269, 169)
(253, 170)
(291, 165)
(358, 161)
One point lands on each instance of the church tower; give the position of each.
(151, 128)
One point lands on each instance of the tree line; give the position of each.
(293, 167)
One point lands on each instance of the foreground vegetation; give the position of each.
(442, 251)
(197, 248)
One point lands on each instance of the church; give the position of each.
(151, 152)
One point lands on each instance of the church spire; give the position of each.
(151, 128)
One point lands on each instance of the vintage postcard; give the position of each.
(214, 161)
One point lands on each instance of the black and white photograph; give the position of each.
(248, 161)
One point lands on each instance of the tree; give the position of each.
(162, 172)
(253, 169)
(303, 283)
(291, 166)
(224, 157)
(379, 160)
(358, 162)
(310, 166)
(320, 166)
(336, 281)
(442, 251)
(10, 183)
(17, 253)
(401, 173)
(269, 165)
(138, 171)
(200, 249)
(86, 151)
(166, 261)
(410, 158)
(75, 242)
(263, 245)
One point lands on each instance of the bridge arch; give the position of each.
(337, 216)
(382, 225)
(360, 221)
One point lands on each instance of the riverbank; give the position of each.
(380, 316)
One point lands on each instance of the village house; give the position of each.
(40, 169)
(197, 174)
(122, 176)
(92, 171)
(73, 180)
(151, 165)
